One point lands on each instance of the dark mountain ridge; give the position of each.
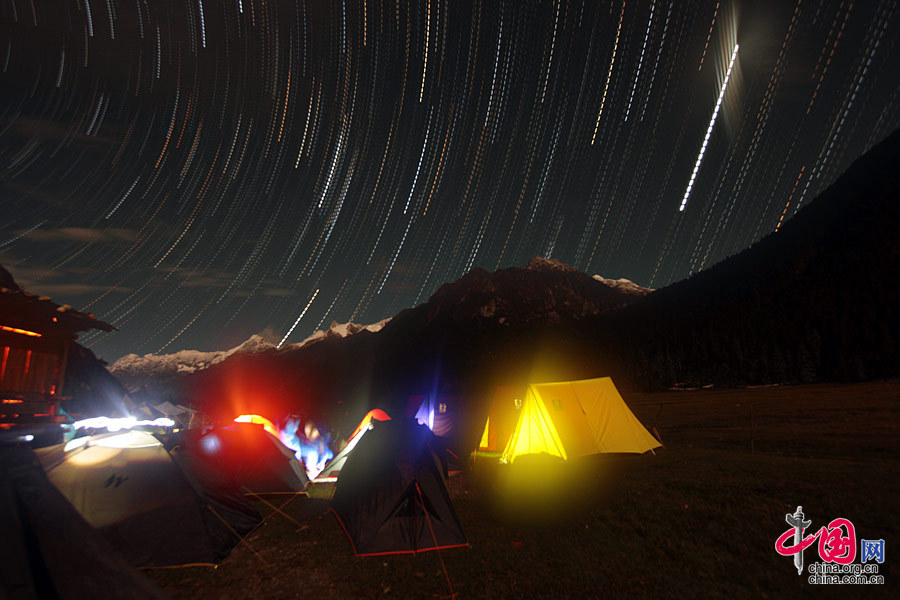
(815, 301)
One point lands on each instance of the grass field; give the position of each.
(698, 519)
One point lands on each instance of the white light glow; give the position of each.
(76, 443)
(709, 129)
(119, 423)
(127, 440)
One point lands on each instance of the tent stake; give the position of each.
(752, 431)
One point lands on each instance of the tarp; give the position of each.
(565, 419)
(246, 455)
(333, 469)
(129, 487)
(392, 496)
(47, 549)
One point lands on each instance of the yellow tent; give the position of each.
(565, 419)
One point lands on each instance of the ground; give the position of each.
(697, 519)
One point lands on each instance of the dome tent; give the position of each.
(131, 489)
(249, 458)
(391, 497)
(332, 470)
(48, 549)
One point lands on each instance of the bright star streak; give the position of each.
(709, 129)
(291, 330)
(612, 62)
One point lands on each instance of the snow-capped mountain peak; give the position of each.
(624, 285)
(339, 330)
(185, 361)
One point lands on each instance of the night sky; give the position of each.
(197, 171)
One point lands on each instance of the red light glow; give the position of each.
(266, 423)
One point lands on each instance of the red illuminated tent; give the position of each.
(245, 454)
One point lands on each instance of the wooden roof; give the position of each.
(19, 308)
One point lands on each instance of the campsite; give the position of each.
(699, 518)
(449, 299)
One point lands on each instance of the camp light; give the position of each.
(75, 443)
(20, 331)
(116, 424)
(259, 420)
(210, 443)
(128, 439)
(307, 453)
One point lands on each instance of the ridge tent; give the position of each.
(565, 419)
(501, 421)
(47, 549)
(245, 455)
(131, 489)
(332, 470)
(392, 497)
(437, 412)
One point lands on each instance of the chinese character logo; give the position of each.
(871, 550)
(837, 540)
(798, 526)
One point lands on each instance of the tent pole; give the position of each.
(275, 509)
(436, 546)
(240, 539)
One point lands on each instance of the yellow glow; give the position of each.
(94, 456)
(22, 331)
(575, 418)
(535, 432)
(267, 424)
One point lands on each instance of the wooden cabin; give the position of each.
(35, 334)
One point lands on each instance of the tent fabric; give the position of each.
(565, 419)
(392, 496)
(375, 414)
(169, 409)
(47, 549)
(502, 419)
(535, 433)
(333, 469)
(130, 488)
(246, 455)
(437, 413)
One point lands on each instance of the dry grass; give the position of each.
(698, 519)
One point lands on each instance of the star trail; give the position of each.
(195, 172)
